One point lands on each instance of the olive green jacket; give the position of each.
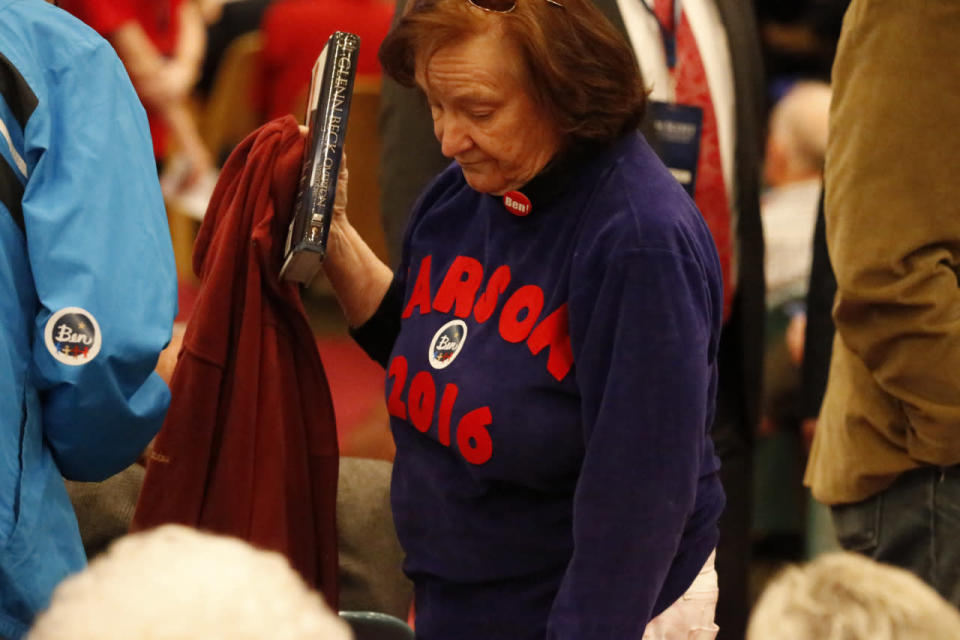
(893, 231)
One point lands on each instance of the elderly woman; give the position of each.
(550, 339)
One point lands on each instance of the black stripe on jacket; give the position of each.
(22, 102)
(16, 92)
(11, 192)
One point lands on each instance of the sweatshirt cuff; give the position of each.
(377, 335)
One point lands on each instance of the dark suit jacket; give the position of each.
(411, 157)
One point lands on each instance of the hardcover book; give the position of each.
(328, 106)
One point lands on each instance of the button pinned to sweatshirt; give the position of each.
(517, 203)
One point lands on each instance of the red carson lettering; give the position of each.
(519, 318)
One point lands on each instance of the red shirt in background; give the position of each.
(160, 20)
(294, 32)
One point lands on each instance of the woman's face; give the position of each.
(484, 115)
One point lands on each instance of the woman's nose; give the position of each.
(452, 134)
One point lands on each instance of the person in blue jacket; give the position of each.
(87, 290)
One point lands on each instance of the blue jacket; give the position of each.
(87, 290)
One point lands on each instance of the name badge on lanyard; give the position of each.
(677, 127)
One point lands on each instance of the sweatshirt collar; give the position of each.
(559, 176)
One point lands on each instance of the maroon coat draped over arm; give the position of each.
(249, 446)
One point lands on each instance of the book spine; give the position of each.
(325, 149)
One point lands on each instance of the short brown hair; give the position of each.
(583, 72)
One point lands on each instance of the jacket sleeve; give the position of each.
(377, 335)
(643, 344)
(101, 256)
(893, 222)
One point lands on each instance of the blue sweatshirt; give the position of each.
(551, 381)
(87, 290)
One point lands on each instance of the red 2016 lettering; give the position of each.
(473, 438)
(397, 371)
(443, 416)
(420, 401)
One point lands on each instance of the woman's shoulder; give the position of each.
(637, 204)
(640, 223)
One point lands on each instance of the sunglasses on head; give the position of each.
(503, 6)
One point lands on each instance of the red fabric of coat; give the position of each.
(249, 446)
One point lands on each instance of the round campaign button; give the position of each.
(517, 203)
(447, 343)
(72, 336)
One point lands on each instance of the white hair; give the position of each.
(176, 583)
(799, 121)
(846, 596)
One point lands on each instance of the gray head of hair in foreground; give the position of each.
(176, 583)
(846, 596)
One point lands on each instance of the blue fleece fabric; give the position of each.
(551, 390)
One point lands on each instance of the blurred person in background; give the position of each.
(845, 596)
(225, 20)
(161, 44)
(799, 38)
(793, 170)
(294, 34)
(87, 290)
(174, 582)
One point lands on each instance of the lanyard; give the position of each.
(668, 34)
